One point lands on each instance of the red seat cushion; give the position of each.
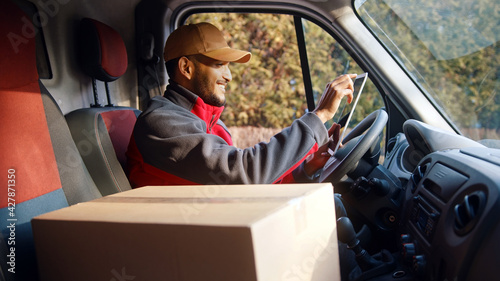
(32, 182)
(25, 144)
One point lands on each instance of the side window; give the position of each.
(268, 93)
(327, 60)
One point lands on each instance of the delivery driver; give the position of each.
(179, 139)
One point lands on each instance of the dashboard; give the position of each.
(447, 207)
(450, 218)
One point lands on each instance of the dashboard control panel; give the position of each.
(451, 200)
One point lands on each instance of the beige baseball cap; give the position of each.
(205, 39)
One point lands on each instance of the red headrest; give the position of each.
(102, 52)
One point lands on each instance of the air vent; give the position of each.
(418, 175)
(468, 212)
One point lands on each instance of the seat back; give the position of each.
(37, 154)
(102, 136)
(101, 133)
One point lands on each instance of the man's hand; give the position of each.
(317, 160)
(341, 87)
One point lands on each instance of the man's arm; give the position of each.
(339, 88)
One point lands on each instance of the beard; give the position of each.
(205, 90)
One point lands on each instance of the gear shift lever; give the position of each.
(347, 235)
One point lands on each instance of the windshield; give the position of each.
(451, 50)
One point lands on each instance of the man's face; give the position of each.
(210, 79)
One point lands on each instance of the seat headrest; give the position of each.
(102, 53)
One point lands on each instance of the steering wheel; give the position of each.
(348, 156)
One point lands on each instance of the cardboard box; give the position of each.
(237, 232)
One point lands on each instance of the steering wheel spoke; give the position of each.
(356, 144)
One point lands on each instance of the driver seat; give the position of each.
(102, 134)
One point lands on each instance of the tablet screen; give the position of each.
(345, 111)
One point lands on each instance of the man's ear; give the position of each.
(186, 67)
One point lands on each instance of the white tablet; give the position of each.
(345, 111)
